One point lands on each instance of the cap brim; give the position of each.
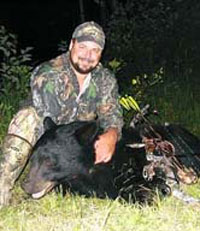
(88, 38)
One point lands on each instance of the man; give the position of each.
(73, 86)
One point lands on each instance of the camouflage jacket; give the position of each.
(55, 93)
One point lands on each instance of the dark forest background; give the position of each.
(143, 32)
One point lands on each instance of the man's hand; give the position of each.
(105, 146)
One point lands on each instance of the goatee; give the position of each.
(77, 67)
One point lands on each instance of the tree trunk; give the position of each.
(82, 13)
(113, 4)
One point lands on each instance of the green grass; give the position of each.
(177, 101)
(78, 213)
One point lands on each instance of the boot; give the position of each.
(16, 149)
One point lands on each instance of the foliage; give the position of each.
(141, 84)
(115, 65)
(13, 70)
(156, 33)
(14, 74)
(134, 28)
(173, 101)
(177, 102)
(134, 89)
(63, 46)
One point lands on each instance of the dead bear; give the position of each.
(64, 156)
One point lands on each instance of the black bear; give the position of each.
(161, 156)
(64, 155)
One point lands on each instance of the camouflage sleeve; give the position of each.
(43, 89)
(109, 109)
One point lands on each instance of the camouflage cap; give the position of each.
(90, 31)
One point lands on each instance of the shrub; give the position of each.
(150, 34)
(14, 75)
(135, 30)
(134, 89)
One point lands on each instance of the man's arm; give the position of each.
(43, 91)
(111, 119)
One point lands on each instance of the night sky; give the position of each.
(44, 25)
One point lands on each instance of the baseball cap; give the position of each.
(90, 31)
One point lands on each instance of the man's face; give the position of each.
(84, 56)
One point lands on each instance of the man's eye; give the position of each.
(96, 51)
(81, 47)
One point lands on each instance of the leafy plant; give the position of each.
(156, 33)
(13, 71)
(142, 83)
(14, 75)
(115, 65)
(136, 27)
(63, 46)
(134, 93)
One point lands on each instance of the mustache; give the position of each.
(86, 59)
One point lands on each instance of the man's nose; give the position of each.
(88, 54)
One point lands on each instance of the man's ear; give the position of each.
(71, 44)
(87, 133)
(48, 123)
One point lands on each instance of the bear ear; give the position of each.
(48, 123)
(87, 133)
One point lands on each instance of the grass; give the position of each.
(74, 213)
(177, 101)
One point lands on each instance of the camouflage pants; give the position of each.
(23, 132)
